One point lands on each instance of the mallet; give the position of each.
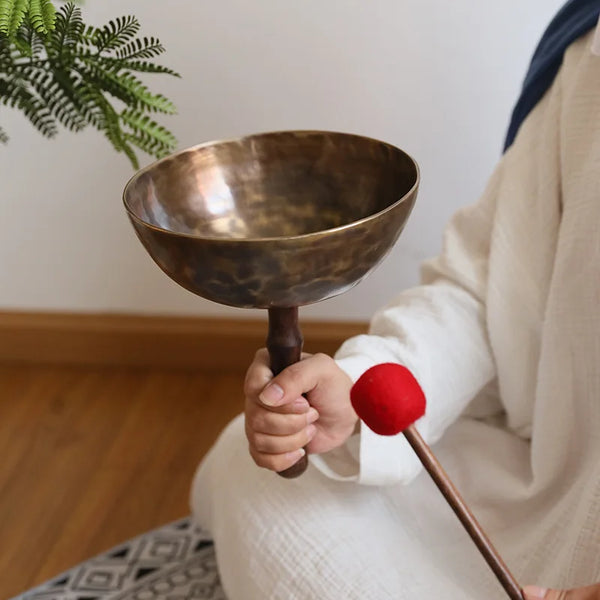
(388, 399)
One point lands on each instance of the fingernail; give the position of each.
(297, 454)
(533, 591)
(312, 415)
(271, 395)
(300, 405)
(311, 430)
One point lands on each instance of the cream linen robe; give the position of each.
(504, 338)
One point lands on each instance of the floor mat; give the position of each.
(174, 562)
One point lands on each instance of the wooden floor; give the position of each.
(91, 457)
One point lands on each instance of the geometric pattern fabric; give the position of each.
(174, 562)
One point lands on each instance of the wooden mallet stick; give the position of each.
(388, 399)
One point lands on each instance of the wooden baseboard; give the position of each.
(149, 341)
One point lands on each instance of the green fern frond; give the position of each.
(40, 117)
(140, 66)
(106, 119)
(67, 33)
(116, 33)
(127, 88)
(27, 42)
(12, 15)
(23, 43)
(147, 134)
(141, 48)
(3, 136)
(57, 91)
(42, 15)
(10, 91)
(56, 70)
(147, 146)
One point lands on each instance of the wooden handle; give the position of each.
(461, 510)
(284, 343)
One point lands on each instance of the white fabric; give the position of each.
(504, 338)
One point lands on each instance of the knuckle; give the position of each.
(250, 436)
(258, 373)
(261, 356)
(254, 385)
(322, 357)
(261, 421)
(253, 421)
(257, 442)
(324, 361)
(264, 461)
(265, 443)
(257, 457)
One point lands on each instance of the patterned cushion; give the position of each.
(176, 561)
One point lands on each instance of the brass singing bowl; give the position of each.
(273, 220)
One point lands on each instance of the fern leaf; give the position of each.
(140, 66)
(37, 45)
(27, 42)
(147, 145)
(56, 90)
(18, 97)
(141, 48)
(23, 42)
(127, 88)
(157, 137)
(67, 32)
(41, 119)
(141, 96)
(106, 119)
(56, 70)
(116, 33)
(3, 136)
(12, 14)
(42, 15)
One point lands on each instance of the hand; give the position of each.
(280, 421)
(591, 592)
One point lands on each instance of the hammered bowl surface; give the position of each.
(273, 220)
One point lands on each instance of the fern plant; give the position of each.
(57, 70)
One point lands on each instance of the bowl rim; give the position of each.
(132, 215)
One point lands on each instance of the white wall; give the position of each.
(436, 78)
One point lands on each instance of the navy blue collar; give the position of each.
(573, 20)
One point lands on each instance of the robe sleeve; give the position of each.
(438, 331)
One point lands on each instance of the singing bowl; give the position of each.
(273, 220)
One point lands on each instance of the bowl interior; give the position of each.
(271, 185)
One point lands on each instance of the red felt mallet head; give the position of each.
(388, 398)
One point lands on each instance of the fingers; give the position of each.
(297, 379)
(264, 443)
(276, 434)
(279, 417)
(261, 420)
(275, 439)
(277, 462)
(258, 374)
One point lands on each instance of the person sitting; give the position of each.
(503, 336)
